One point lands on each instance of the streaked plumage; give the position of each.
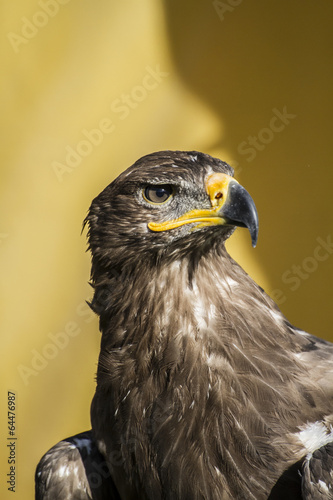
(204, 389)
(74, 469)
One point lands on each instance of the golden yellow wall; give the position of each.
(211, 76)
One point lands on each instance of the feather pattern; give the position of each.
(204, 388)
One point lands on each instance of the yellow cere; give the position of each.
(216, 185)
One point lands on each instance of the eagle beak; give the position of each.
(235, 204)
(231, 206)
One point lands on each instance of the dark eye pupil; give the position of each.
(158, 194)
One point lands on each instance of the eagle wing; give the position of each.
(318, 356)
(311, 478)
(317, 480)
(74, 469)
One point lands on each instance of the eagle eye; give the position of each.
(158, 193)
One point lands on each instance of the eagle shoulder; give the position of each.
(74, 468)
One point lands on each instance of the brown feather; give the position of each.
(202, 383)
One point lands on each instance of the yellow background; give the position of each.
(224, 72)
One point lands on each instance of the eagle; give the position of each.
(204, 389)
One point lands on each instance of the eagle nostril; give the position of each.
(218, 195)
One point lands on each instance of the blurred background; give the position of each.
(89, 87)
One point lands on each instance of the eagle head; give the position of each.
(163, 198)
